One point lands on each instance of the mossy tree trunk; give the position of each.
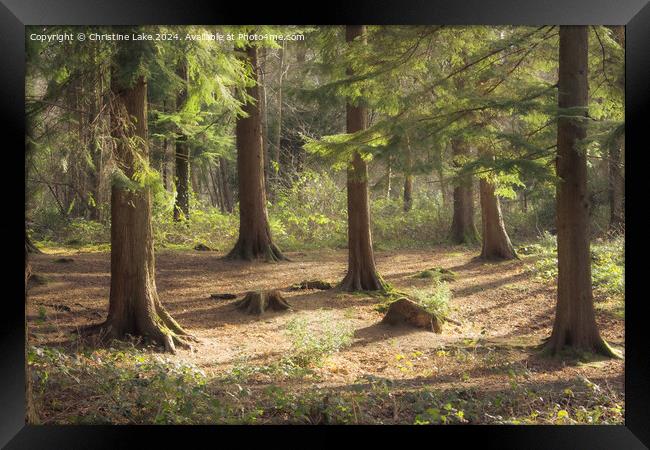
(362, 274)
(575, 323)
(134, 306)
(254, 240)
(463, 229)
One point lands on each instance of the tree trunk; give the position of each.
(278, 137)
(408, 192)
(134, 306)
(215, 192)
(616, 186)
(389, 177)
(463, 230)
(496, 243)
(94, 174)
(408, 177)
(225, 185)
(361, 275)
(182, 203)
(254, 232)
(575, 324)
(265, 122)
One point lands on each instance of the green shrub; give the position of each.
(434, 299)
(311, 343)
(607, 263)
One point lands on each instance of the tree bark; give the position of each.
(496, 242)
(575, 323)
(362, 274)
(463, 229)
(254, 232)
(134, 306)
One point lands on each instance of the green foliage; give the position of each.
(124, 385)
(312, 342)
(309, 214)
(434, 299)
(607, 264)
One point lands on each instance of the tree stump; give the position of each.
(405, 311)
(257, 302)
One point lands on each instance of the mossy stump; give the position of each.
(407, 312)
(257, 302)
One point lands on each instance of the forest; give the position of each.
(355, 224)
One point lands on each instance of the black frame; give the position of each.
(15, 14)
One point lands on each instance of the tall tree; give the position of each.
(254, 240)
(463, 229)
(575, 323)
(134, 306)
(362, 274)
(182, 155)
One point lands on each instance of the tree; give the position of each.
(496, 242)
(182, 155)
(575, 323)
(254, 240)
(134, 306)
(463, 230)
(408, 177)
(362, 274)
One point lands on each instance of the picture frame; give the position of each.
(16, 14)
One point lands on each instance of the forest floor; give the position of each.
(486, 369)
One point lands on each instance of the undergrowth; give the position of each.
(127, 385)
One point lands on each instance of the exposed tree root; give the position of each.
(257, 302)
(249, 252)
(162, 329)
(560, 345)
(202, 248)
(30, 247)
(224, 296)
(357, 280)
(311, 284)
(405, 311)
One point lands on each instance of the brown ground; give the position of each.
(500, 306)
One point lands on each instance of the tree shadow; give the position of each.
(474, 288)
